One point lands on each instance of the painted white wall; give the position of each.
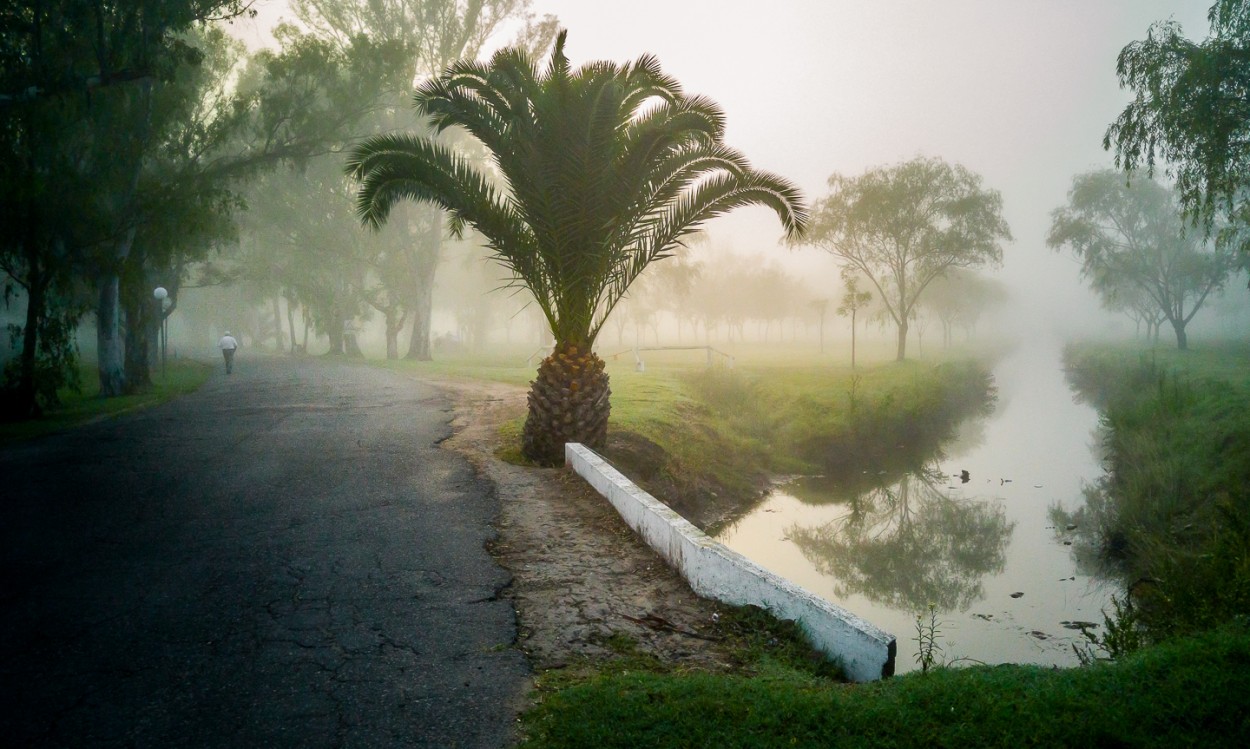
(865, 651)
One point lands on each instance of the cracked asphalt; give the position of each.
(284, 558)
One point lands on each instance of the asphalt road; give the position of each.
(284, 558)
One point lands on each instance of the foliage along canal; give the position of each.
(969, 531)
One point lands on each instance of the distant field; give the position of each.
(1227, 361)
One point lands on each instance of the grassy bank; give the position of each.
(709, 439)
(1188, 693)
(776, 411)
(1173, 512)
(180, 377)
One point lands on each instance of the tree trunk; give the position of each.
(26, 405)
(392, 333)
(142, 336)
(110, 364)
(351, 346)
(335, 333)
(278, 343)
(422, 307)
(290, 324)
(852, 338)
(568, 402)
(902, 340)
(1182, 339)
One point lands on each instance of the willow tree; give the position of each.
(603, 169)
(1191, 113)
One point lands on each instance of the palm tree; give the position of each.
(601, 171)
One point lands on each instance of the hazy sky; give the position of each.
(1019, 91)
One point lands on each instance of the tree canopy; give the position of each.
(1132, 241)
(1191, 111)
(902, 226)
(604, 169)
(78, 120)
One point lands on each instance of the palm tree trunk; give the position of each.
(568, 402)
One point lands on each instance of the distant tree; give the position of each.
(306, 240)
(432, 34)
(960, 298)
(1191, 110)
(903, 226)
(671, 283)
(711, 298)
(768, 294)
(1134, 302)
(1134, 235)
(605, 169)
(853, 300)
(821, 307)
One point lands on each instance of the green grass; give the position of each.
(181, 376)
(1204, 361)
(1187, 693)
(507, 365)
(1173, 512)
(708, 440)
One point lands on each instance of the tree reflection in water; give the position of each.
(910, 544)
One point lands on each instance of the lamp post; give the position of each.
(161, 294)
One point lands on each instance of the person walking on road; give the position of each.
(228, 346)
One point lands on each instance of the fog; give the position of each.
(1020, 93)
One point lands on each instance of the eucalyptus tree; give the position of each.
(903, 226)
(181, 212)
(604, 169)
(122, 122)
(76, 99)
(432, 35)
(221, 120)
(1133, 234)
(1191, 111)
(305, 241)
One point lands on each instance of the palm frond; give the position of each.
(605, 169)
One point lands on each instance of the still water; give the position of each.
(984, 552)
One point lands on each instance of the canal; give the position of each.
(969, 531)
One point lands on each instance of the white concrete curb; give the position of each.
(714, 571)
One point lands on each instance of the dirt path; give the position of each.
(580, 575)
